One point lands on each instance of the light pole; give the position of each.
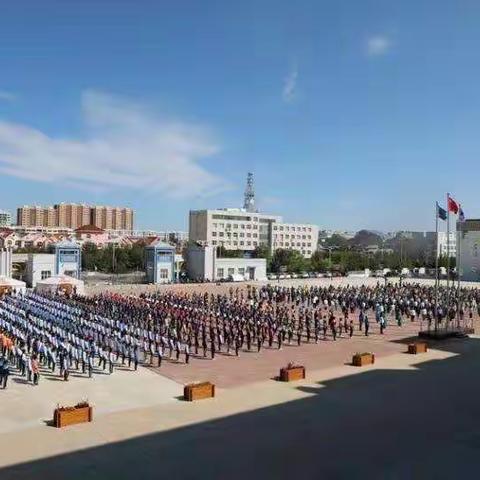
(330, 257)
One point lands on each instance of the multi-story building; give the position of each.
(71, 215)
(446, 245)
(238, 229)
(468, 252)
(5, 218)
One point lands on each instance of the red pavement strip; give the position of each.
(228, 371)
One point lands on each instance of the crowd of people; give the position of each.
(88, 334)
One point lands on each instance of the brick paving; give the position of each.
(228, 371)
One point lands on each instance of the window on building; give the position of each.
(249, 243)
(249, 235)
(241, 242)
(220, 234)
(214, 234)
(242, 235)
(241, 271)
(214, 242)
(231, 271)
(46, 274)
(235, 225)
(219, 272)
(255, 244)
(164, 273)
(242, 226)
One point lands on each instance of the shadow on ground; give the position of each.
(379, 424)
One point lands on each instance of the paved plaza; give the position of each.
(404, 417)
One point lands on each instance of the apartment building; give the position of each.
(5, 218)
(237, 229)
(71, 215)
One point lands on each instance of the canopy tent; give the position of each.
(60, 284)
(8, 285)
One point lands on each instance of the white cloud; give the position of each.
(125, 146)
(289, 91)
(378, 45)
(7, 96)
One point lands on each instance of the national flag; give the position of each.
(461, 215)
(452, 205)
(441, 212)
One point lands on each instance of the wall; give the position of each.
(469, 262)
(236, 264)
(36, 263)
(6, 263)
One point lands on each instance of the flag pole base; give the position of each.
(444, 334)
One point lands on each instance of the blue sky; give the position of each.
(351, 114)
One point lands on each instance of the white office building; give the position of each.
(444, 245)
(238, 229)
(468, 257)
(203, 264)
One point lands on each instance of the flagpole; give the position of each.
(436, 267)
(448, 261)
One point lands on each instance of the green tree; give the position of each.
(291, 260)
(222, 252)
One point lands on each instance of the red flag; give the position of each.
(452, 205)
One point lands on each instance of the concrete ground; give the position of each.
(405, 417)
(24, 406)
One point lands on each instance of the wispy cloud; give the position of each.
(7, 96)
(378, 45)
(125, 147)
(289, 91)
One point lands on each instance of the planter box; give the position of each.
(362, 359)
(290, 374)
(198, 391)
(71, 416)
(417, 347)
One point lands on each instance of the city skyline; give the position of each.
(348, 119)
